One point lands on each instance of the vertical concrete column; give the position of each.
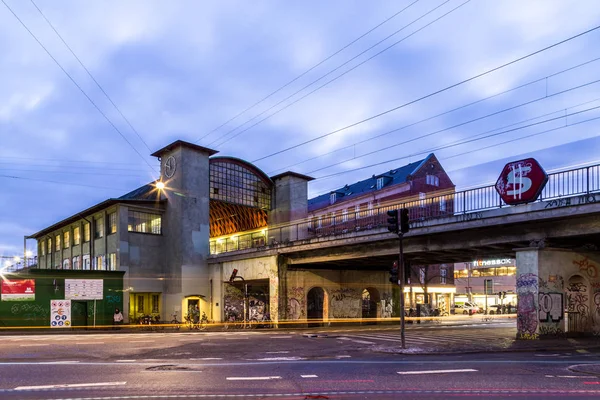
(527, 287)
(290, 204)
(282, 298)
(123, 256)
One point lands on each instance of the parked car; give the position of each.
(466, 308)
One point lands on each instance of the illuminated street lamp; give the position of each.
(160, 185)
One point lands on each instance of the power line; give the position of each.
(76, 84)
(438, 115)
(65, 161)
(459, 125)
(454, 144)
(57, 182)
(69, 172)
(337, 77)
(308, 70)
(78, 167)
(430, 94)
(90, 75)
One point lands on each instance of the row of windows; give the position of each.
(236, 184)
(144, 222)
(475, 273)
(85, 262)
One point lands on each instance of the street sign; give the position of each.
(60, 313)
(84, 289)
(521, 181)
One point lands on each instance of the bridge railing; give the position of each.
(579, 181)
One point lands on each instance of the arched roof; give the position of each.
(234, 160)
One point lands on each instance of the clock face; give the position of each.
(170, 166)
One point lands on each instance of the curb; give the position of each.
(493, 350)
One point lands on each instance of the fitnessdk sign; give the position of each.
(521, 181)
(18, 290)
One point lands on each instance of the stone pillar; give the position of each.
(290, 204)
(527, 288)
(186, 174)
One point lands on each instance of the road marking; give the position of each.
(70, 385)
(206, 358)
(280, 337)
(34, 345)
(280, 359)
(142, 341)
(343, 356)
(252, 378)
(89, 342)
(439, 371)
(59, 362)
(277, 352)
(309, 376)
(126, 361)
(582, 351)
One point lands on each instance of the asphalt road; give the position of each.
(335, 363)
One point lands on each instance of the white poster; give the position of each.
(60, 313)
(84, 289)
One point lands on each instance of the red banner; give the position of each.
(18, 290)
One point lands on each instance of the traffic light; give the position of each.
(394, 273)
(403, 220)
(233, 275)
(392, 221)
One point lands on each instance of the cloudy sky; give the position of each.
(188, 69)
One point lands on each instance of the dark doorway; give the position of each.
(79, 314)
(314, 306)
(370, 299)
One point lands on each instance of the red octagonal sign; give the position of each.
(521, 181)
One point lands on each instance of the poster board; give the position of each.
(17, 290)
(60, 313)
(84, 289)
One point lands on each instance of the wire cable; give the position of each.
(431, 94)
(337, 77)
(58, 182)
(76, 84)
(90, 75)
(307, 71)
(437, 115)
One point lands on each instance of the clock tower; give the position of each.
(185, 172)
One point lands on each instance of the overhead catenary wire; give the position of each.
(390, 146)
(462, 82)
(77, 85)
(437, 115)
(308, 70)
(90, 75)
(337, 77)
(59, 182)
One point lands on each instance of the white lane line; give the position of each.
(126, 361)
(280, 359)
(568, 376)
(89, 342)
(355, 341)
(70, 385)
(206, 358)
(439, 371)
(280, 337)
(277, 352)
(34, 345)
(58, 362)
(252, 378)
(309, 376)
(343, 356)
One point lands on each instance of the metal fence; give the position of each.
(583, 181)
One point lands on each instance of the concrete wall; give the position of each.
(550, 282)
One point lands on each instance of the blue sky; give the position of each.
(179, 69)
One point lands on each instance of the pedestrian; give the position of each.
(117, 318)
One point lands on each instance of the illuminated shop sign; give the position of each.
(489, 263)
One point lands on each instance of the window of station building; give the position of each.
(99, 263)
(49, 246)
(43, 248)
(98, 228)
(86, 232)
(144, 223)
(237, 184)
(155, 303)
(86, 262)
(76, 262)
(76, 236)
(67, 239)
(112, 262)
(66, 264)
(112, 223)
(57, 243)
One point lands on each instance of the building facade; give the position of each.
(168, 238)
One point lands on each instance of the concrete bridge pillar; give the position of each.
(558, 293)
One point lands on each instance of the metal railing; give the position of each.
(561, 188)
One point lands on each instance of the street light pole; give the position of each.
(401, 283)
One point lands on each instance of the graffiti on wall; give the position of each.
(30, 312)
(345, 303)
(551, 307)
(527, 290)
(587, 267)
(296, 308)
(387, 305)
(233, 304)
(577, 301)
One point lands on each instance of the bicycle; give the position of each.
(203, 322)
(175, 322)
